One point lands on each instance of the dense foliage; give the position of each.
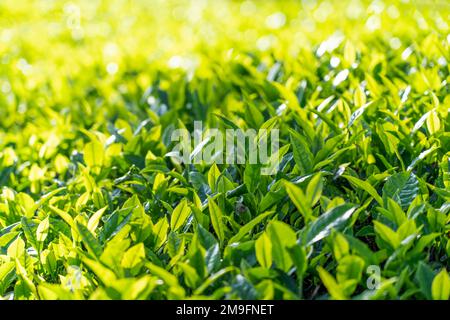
(92, 206)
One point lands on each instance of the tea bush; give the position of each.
(94, 204)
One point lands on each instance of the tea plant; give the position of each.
(94, 204)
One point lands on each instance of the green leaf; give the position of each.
(7, 276)
(350, 268)
(160, 232)
(168, 278)
(89, 240)
(263, 249)
(42, 230)
(349, 53)
(341, 247)
(424, 276)
(134, 257)
(212, 258)
(433, 122)
(95, 219)
(335, 218)
(190, 274)
(302, 155)
(396, 211)
(213, 176)
(298, 256)
(64, 215)
(301, 202)
(403, 187)
(365, 186)
(252, 176)
(244, 230)
(179, 215)
(281, 237)
(359, 97)
(275, 194)
(25, 276)
(216, 219)
(362, 249)
(314, 189)
(104, 274)
(330, 283)
(27, 204)
(226, 121)
(27, 227)
(16, 249)
(387, 234)
(440, 288)
(358, 113)
(421, 156)
(243, 288)
(94, 154)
